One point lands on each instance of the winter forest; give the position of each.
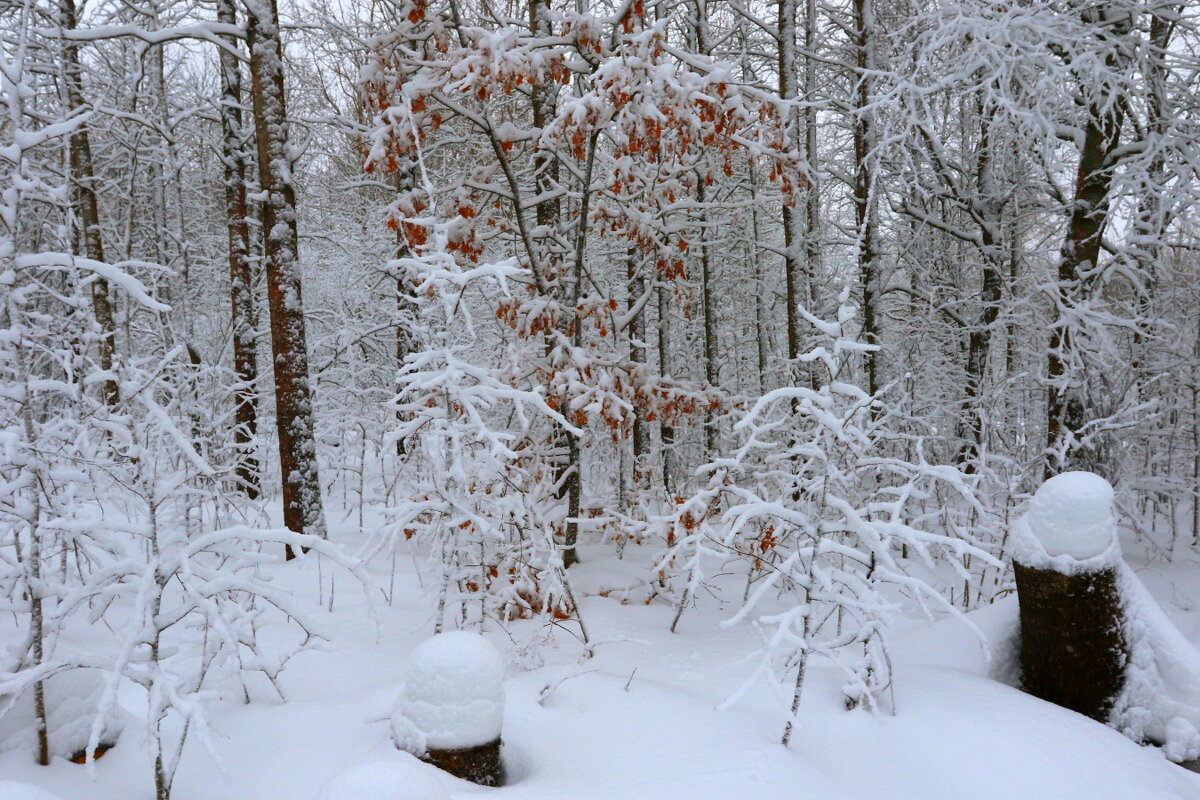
(605, 398)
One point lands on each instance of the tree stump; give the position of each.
(480, 764)
(1072, 638)
(1073, 647)
(452, 707)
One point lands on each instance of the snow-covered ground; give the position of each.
(649, 716)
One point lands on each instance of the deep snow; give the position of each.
(644, 718)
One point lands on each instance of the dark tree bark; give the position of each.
(637, 354)
(864, 212)
(1073, 647)
(574, 476)
(791, 235)
(812, 196)
(480, 764)
(986, 211)
(241, 283)
(1066, 411)
(405, 183)
(547, 214)
(87, 205)
(666, 431)
(302, 507)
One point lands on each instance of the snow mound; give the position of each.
(399, 778)
(454, 695)
(1071, 515)
(12, 790)
(1161, 699)
(73, 698)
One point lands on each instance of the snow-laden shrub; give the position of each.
(829, 503)
(482, 489)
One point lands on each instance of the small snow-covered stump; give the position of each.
(452, 707)
(1066, 559)
(73, 700)
(402, 778)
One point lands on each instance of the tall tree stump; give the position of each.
(1073, 646)
(452, 707)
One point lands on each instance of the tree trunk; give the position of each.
(302, 508)
(544, 101)
(791, 235)
(1072, 641)
(666, 431)
(1066, 410)
(574, 482)
(637, 355)
(405, 183)
(480, 764)
(711, 366)
(864, 212)
(87, 205)
(244, 322)
(812, 197)
(979, 342)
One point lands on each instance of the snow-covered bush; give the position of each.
(480, 488)
(823, 500)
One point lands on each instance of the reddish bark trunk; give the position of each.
(241, 283)
(302, 508)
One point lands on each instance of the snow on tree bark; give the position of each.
(243, 318)
(302, 505)
(1067, 409)
(87, 205)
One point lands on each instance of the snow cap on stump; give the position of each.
(454, 694)
(400, 778)
(1072, 515)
